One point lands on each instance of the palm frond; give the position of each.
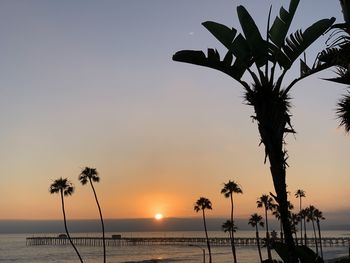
(343, 112)
(343, 76)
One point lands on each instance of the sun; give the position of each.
(158, 216)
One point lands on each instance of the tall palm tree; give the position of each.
(319, 216)
(255, 220)
(201, 204)
(261, 59)
(300, 194)
(64, 188)
(311, 217)
(266, 202)
(91, 175)
(229, 188)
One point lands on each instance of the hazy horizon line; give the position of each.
(139, 225)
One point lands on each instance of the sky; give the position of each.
(92, 83)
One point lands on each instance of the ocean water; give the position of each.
(13, 249)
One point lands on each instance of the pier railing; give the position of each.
(133, 241)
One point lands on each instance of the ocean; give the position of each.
(13, 249)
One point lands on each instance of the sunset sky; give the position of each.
(92, 83)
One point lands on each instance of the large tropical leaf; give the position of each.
(299, 41)
(256, 43)
(241, 50)
(281, 25)
(212, 60)
(224, 34)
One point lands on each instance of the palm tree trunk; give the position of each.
(301, 222)
(232, 234)
(206, 235)
(319, 236)
(296, 238)
(102, 224)
(272, 137)
(267, 237)
(313, 226)
(279, 179)
(305, 236)
(281, 231)
(258, 243)
(66, 228)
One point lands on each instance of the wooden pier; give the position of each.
(149, 241)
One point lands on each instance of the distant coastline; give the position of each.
(132, 225)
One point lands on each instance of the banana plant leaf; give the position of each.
(281, 25)
(212, 60)
(224, 34)
(256, 43)
(299, 41)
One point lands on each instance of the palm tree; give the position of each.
(310, 216)
(202, 204)
(303, 215)
(91, 175)
(271, 102)
(319, 216)
(277, 214)
(268, 204)
(300, 194)
(230, 227)
(64, 188)
(228, 190)
(295, 218)
(255, 220)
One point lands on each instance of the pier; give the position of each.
(150, 241)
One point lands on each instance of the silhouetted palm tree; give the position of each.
(260, 59)
(228, 190)
(255, 220)
(295, 218)
(300, 194)
(230, 227)
(310, 216)
(91, 175)
(303, 215)
(64, 188)
(202, 204)
(319, 216)
(266, 202)
(277, 214)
